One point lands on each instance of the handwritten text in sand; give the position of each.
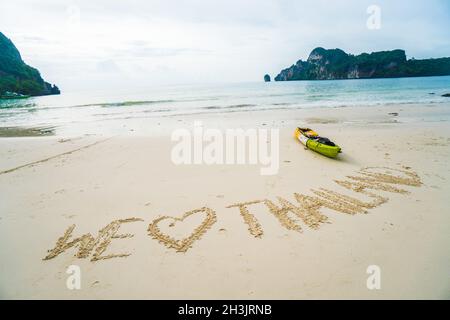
(367, 183)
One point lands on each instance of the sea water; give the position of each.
(95, 108)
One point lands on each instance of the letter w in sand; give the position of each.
(87, 243)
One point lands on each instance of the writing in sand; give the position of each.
(367, 183)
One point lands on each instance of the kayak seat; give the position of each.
(325, 141)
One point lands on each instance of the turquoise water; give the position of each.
(78, 108)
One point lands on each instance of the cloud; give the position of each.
(108, 66)
(142, 49)
(205, 41)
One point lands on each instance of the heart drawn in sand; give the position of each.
(184, 244)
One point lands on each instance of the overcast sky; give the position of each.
(112, 43)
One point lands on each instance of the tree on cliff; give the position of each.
(17, 76)
(323, 64)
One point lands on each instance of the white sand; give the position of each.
(132, 176)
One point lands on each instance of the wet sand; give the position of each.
(10, 132)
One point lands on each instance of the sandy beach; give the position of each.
(166, 231)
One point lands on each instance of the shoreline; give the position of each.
(154, 125)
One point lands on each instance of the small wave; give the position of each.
(223, 110)
(240, 106)
(123, 103)
(212, 107)
(17, 105)
(233, 106)
(156, 110)
(281, 104)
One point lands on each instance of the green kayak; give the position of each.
(316, 143)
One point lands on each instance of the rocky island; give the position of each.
(18, 77)
(333, 64)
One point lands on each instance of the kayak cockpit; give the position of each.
(313, 141)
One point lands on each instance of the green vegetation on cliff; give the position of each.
(16, 76)
(323, 64)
